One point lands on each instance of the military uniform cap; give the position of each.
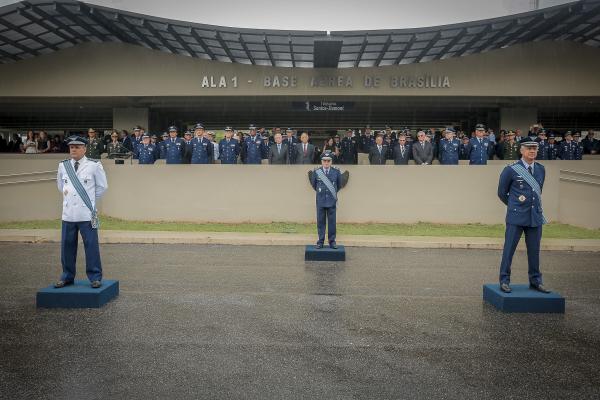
(228, 129)
(155, 136)
(568, 133)
(529, 143)
(145, 134)
(137, 128)
(480, 127)
(165, 134)
(173, 129)
(188, 132)
(198, 126)
(551, 136)
(450, 129)
(289, 130)
(326, 155)
(252, 127)
(76, 139)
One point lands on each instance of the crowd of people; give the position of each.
(288, 146)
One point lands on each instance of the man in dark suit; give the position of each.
(520, 188)
(402, 151)
(378, 153)
(422, 150)
(305, 152)
(187, 149)
(278, 152)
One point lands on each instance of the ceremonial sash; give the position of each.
(327, 182)
(82, 193)
(535, 186)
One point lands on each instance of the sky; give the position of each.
(328, 15)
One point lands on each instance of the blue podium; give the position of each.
(78, 295)
(522, 299)
(324, 254)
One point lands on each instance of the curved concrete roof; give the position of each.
(32, 28)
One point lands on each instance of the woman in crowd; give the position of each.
(30, 145)
(43, 143)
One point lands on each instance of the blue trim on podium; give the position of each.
(522, 299)
(79, 295)
(324, 254)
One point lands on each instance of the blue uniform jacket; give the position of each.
(173, 151)
(568, 151)
(229, 152)
(202, 151)
(254, 149)
(146, 154)
(449, 150)
(523, 205)
(324, 197)
(478, 152)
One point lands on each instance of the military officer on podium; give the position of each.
(145, 151)
(173, 147)
(326, 181)
(520, 188)
(82, 182)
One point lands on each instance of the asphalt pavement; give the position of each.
(237, 322)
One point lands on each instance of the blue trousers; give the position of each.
(68, 250)
(326, 215)
(533, 236)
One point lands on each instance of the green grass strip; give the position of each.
(553, 230)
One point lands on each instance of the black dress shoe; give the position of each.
(333, 245)
(539, 288)
(319, 246)
(96, 284)
(62, 284)
(505, 288)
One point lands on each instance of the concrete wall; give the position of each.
(569, 69)
(246, 193)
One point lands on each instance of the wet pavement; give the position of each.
(233, 322)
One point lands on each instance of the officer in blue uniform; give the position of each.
(568, 148)
(367, 140)
(578, 146)
(349, 147)
(161, 145)
(553, 148)
(253, 147)
(291, 140)
(463, 151)
(542, 145)
(229, 148)
(80, 196)
(520, 188)
(201, 147)
(479, 147)
(449, 148)
(326, 181)
(136, 139)
(173, 147)
(146, 152)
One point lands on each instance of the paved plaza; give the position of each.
(234, 322)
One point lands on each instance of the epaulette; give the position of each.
(94, 160)
(335, 167)
(66, 159)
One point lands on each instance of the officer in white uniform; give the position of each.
(79, 214)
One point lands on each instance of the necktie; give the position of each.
(379, 148)
(402, 150)
(279, 148)
(479, 141)
(305, 150)
(530, 169)
(172, 140)
(76, 165)
(327, 171)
